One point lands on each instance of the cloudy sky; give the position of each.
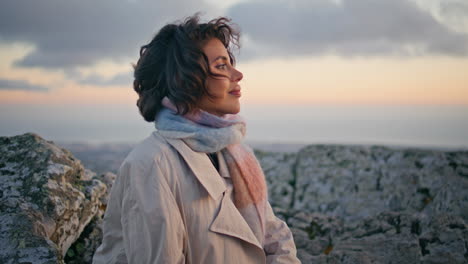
(309, 52)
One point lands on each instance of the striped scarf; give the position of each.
(208, 133)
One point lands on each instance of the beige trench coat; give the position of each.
(170, 205)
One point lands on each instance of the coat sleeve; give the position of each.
(279, 243)
(152, 227)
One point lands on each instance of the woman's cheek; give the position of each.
(221, 88)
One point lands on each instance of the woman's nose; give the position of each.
(237, 76)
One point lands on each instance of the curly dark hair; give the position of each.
(173, 64)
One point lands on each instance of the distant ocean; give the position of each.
(414, 126)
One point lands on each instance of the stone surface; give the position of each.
(355, 182)
(390, 237)
(278, 169)
(372, 204)
(83, 249)
(46, 200)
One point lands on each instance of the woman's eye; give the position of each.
(221, 66)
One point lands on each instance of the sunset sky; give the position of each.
(58, 54)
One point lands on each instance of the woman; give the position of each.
(192, 192)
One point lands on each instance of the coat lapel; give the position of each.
(199, 163)
(231, 223)
(228, 221)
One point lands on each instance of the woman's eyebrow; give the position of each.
(220, 57)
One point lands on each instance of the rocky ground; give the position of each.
(351, 204)
(344, 204)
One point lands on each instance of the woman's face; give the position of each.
(226, 90)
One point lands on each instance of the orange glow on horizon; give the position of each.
(72, 94)
(314, 80)
(331, 80)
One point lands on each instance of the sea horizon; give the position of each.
(422, 126)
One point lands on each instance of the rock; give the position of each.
(83, 249)
(46, 200)
(108, 179)
(354, 182)
(390, 237)
(279, 172)
(371, 204)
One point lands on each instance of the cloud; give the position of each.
(20, 85)
(347, 28)
(70, 34)
(79, 33)
(121, 79)
(456, 14)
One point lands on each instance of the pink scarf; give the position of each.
(205, 132)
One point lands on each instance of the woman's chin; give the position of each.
(236, 109)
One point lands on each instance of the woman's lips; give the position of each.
(236, 92)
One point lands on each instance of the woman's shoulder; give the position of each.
(153, 148)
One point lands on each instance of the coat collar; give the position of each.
(228, 221)
(197, 162)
